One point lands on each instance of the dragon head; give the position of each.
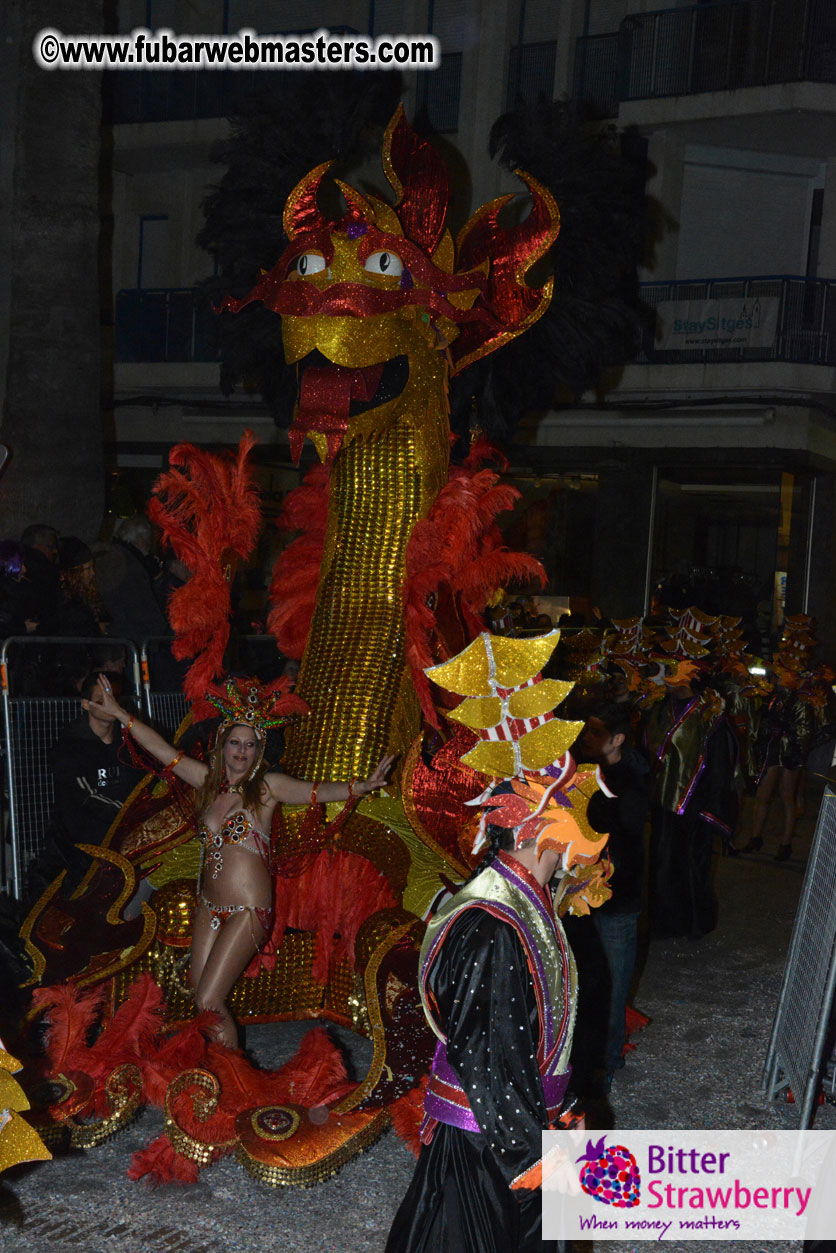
(382, 303)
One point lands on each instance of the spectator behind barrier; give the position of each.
(14, 603)
(81, 611)
(92, 782)
(125, 570)
(80, 614)
(44, 593)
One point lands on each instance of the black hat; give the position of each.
(73, 552)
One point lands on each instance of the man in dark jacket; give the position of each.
(125, 574)
(92, 782)
(620, 808)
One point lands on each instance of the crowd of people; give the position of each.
(59, 587)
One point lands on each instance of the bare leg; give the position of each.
(203, 939)
(236, 942)
(788, 787)
(763, 799)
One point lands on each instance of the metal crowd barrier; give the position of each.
(164, 704)
(800, 1030)
(31, 666)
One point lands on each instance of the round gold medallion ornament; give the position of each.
(275, 1122)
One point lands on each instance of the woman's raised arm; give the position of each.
(186, 768)
(289, 791)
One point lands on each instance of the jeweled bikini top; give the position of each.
(237, 829)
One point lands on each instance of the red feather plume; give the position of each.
(207, 507)
(161, 1163)
(407, 1114)
(168, 1055)
(316, 1074)
(333, 897)
(460, 545)
(131, 1031)
(296, 572)
(70, 1014)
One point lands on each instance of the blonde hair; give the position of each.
(251, 788)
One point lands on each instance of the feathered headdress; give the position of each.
(246, 702)
(537, 791)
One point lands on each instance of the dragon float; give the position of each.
(396, 559)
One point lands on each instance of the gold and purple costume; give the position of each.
(498, 987)
(692, 758)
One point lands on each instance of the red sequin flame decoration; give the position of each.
(484, 293)
(207, 507)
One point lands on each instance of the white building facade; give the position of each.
(708, 460)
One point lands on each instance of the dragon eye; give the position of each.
(309, 263)
(384, 263)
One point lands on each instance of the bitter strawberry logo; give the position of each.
(611, 1175)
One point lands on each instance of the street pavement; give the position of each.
(698, 1064)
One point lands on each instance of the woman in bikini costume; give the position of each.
(236, 797)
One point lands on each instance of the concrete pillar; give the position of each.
(666, 154)
(570, 28)
(821, 582)
(485, 86)
(826, 267)
(622, 535)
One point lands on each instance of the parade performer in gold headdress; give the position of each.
(497, 978)
(236, 797)
(692, 754)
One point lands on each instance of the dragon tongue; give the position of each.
(329, 390)
(325, 398)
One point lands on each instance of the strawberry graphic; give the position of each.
(611, 1175)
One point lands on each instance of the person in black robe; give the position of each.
(461, 1198)
(693, 755)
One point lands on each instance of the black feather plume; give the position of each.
(597, 179)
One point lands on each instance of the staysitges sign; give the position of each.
(689, 1185)
(747, 322)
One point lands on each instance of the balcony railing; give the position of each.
(740, 319)
(708, 47)
(531, 73)
(164, 324)
(792, 319)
